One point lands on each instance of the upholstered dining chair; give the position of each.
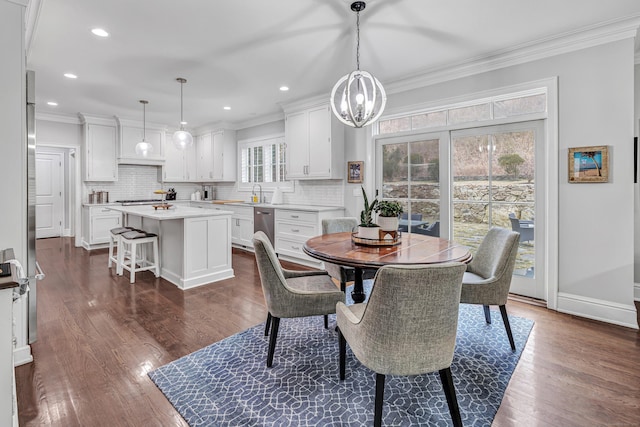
(408, 326)
(290, 293)
(343, 273)
(488, 276)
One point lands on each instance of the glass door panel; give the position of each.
(410, 174)
(494, 185)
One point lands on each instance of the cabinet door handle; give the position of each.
(295, 230)
(295, 216)
(297, 248)
(105, 210)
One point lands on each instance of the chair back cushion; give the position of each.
(271, 274)
(338, 225)
(409, 324)
(497, 250)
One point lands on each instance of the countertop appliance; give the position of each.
(263, 220)
(207, 192)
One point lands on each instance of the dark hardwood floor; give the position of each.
(98, 336)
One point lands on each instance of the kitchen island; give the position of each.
(195, 244)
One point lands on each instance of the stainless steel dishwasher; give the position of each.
(263, 220)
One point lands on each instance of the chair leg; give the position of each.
(267, 325)
(326, 321)
(342, 351)
(272, 340)
(507, 326)
(343, 286)
(450, 393)
(487, 314)
(132, 272)
(377, 416)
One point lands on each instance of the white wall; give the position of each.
(13, 175)
(596, 221)
(636, 206)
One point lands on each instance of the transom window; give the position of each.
(512, 105)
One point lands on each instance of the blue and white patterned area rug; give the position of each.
(228, 383)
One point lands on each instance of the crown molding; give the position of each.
(591, 36)
(268, 118)
(60, 118)
(32, 15)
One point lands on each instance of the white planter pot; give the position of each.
(388, 223)
(369, 232)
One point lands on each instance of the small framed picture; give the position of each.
(355, 172)
(589, 164)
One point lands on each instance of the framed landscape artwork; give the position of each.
(355, 171)
(589, 164)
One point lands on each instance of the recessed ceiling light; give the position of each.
(284, 88)
(227, 108)
(100, 32)
(70, 76)
(52, 103)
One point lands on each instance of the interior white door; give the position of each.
(49, 212)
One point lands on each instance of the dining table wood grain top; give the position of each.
(338, 248)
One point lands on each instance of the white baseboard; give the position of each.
(22, 355)
(636, 292)
(66, 232)
(604, 311)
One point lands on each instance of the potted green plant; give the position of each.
(368, 229)
(388, 212)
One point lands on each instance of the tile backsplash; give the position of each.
(139, 182)
(315, 193)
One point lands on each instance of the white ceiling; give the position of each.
(238, 53)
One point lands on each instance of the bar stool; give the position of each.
(129, 242)
(114, 242)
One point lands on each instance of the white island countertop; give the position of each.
(175, 212)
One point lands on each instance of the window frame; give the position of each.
(263, 141)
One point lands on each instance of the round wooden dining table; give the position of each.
(338, 248)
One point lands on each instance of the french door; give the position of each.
(496, 182)
(411, 170)
(469, 181)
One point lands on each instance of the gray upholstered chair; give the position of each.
(488, 276)
(339, 272)
(290, 293)
(408, 326)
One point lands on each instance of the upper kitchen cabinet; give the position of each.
(179, 165)
(315, 144)
(131, 132)
(216, 154)
(99, 147)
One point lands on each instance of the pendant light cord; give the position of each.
(358, 40)
(144, 122)
(181, 117)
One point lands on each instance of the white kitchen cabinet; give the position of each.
(241, 225)
(241, 222)
(97, 221)
(131, 133)
(204, 157)
(315, 144)
(99, 147)
(179, 165)
(225, 153)
(294, 227)
(216, 156)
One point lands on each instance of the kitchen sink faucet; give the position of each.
(253, 191)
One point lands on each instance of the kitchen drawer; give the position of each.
(293, 229)
(102, 211)
(301, 216)
(292, 248)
